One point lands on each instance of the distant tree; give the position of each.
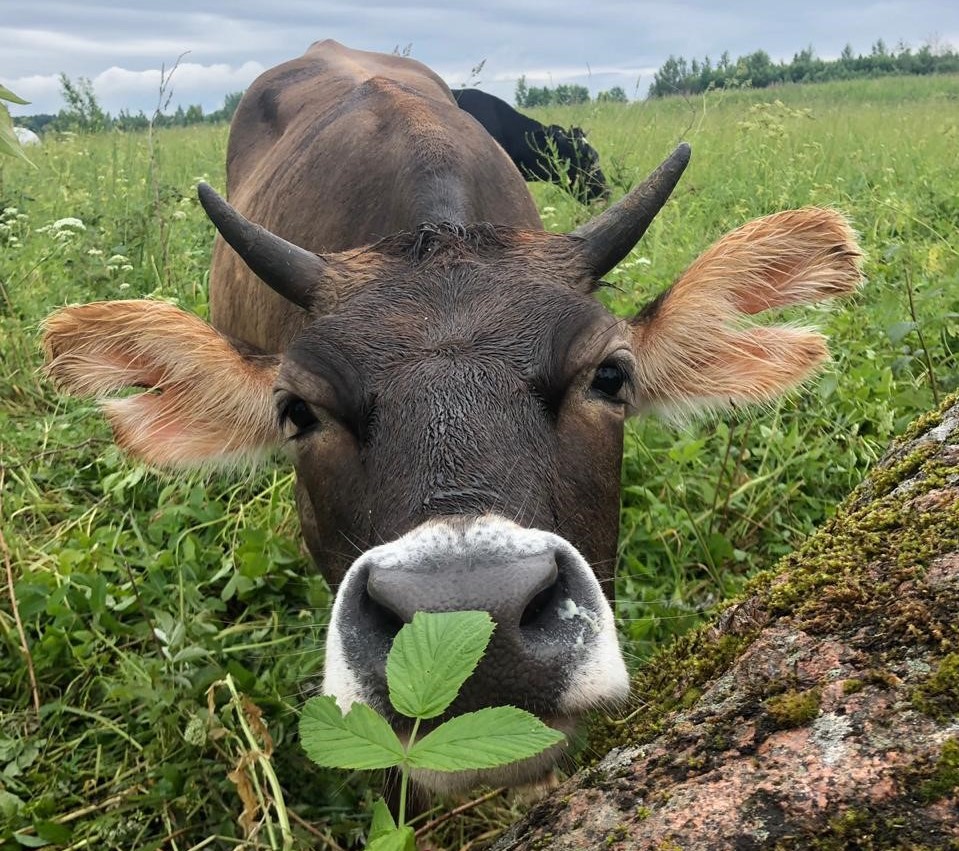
(705, 74)
(230, 103)
(670, 78)
(527, 96)
(127, 122)
(614, 95)
(194, 114)
(539, 96)
(83, 112)
(225, 112)
(756, 69)
(568, 95)
(522, 92)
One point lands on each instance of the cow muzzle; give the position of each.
(554, 650)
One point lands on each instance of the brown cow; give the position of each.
(451, 394)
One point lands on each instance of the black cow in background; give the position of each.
(536, 148)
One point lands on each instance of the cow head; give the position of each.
(586, 178)
(454, 408)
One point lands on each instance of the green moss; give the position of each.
(660, 685)
(617, 834)
(794, 708)
(863, 830)
(871, 677)
(881, 678)
(938, 696)
(826, 586)
(848, 824)
(719, 741)
(928, 421)
(886, 479)
(946, 777)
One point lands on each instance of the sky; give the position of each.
(222, 46)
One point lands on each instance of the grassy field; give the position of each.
(139, 595)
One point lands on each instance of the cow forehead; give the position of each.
(532, 326)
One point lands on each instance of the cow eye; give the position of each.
(299, 414)
(609, 379)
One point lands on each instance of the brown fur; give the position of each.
(339, 148)
(692, 347)
(202, 400)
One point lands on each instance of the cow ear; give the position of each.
(694, 347)
(201, 401)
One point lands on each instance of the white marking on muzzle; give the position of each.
(600, 673)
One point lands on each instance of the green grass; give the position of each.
(137, 592)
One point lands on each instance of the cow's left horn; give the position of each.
(293, 272)
(609, 237)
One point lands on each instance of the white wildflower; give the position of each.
(69, 223)
(64, 229)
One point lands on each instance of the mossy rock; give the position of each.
(818, 710)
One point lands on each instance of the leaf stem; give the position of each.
(405, 775)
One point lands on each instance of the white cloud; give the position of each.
(120, 88)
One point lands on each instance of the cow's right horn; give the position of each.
(295, 273)
(609, 237)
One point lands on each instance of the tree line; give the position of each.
(677, 76)
(83, 113)
(564, 95)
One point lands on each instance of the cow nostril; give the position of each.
(541, 603)
(388, 622)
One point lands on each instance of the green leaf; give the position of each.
(400, 839)
(359, 739)
(10, 804)
(9, 144)
(59, 834)
(432, 657)
(6, 94)
(383, 821)
(483, 739)
(29, 841)
(898, 331)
